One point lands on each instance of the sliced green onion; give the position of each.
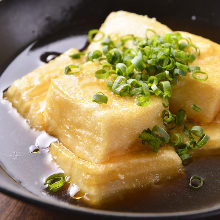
(130, 68)
(179, 55)
(100, 98)
(180, 117)
(183, 154)
(152, 81)
(176, 139)
(77, 55)
(196, 108)
(191, 58)
(197, 131)
(108, 41)
(94, 32)
(101, 74)
(153, 141)
(179, 72)
(109, 84)
(199, 75)
(121, 69)
(194, 68)
(123, 89)
(165, 102)
(138, 61)
(72, 69)
(126, 38)
(166, 88)
(156, 90)
(137, 91)
(162, 132)
(114, 56)
(117, 82)
(55, 182)
(184, 43)
(145, 89)
(182, 67)
(168, 119)
(196, 182)
(106, 66)
(187, 132)
(167, 116)
(143, 101)
(161, 76)
(150, 30)
(94, 55)
(203, 140)
(197, 50)
(133, 82)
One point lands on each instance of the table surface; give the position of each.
(12, 209)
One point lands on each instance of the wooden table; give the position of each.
(12, 209)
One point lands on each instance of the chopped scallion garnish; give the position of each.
(200, 76)
(77, 55)
(203, 140)
(101, 74)
(176, 139)
(94, 55)
(100, 98)
(197, 131)
(72, 69)
(196, 182)
(55, 182)
(195, 108)
(94, 32)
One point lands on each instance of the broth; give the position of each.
(30, 169)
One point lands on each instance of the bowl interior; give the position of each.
(51, 21)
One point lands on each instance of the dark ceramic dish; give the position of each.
(26, 21)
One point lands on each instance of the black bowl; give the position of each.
(25, 21)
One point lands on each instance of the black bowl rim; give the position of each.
(40, 201)
(71, 209)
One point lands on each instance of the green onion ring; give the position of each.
(55, 182)
(192, 183)
(143, 101)
(205, 77)
(176, 138)
(150, 30)
(196, 108)
(94, 32)
(100, 98)
(69, 69)
(101, 74)
(197, 131)
(162, 132)
(180, 117)
(197, 50)
(202, 141)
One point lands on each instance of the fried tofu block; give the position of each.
(96, 132)
(188, 91)
(28, 93)
(122, 23)
(204, 94)
(132, 171)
